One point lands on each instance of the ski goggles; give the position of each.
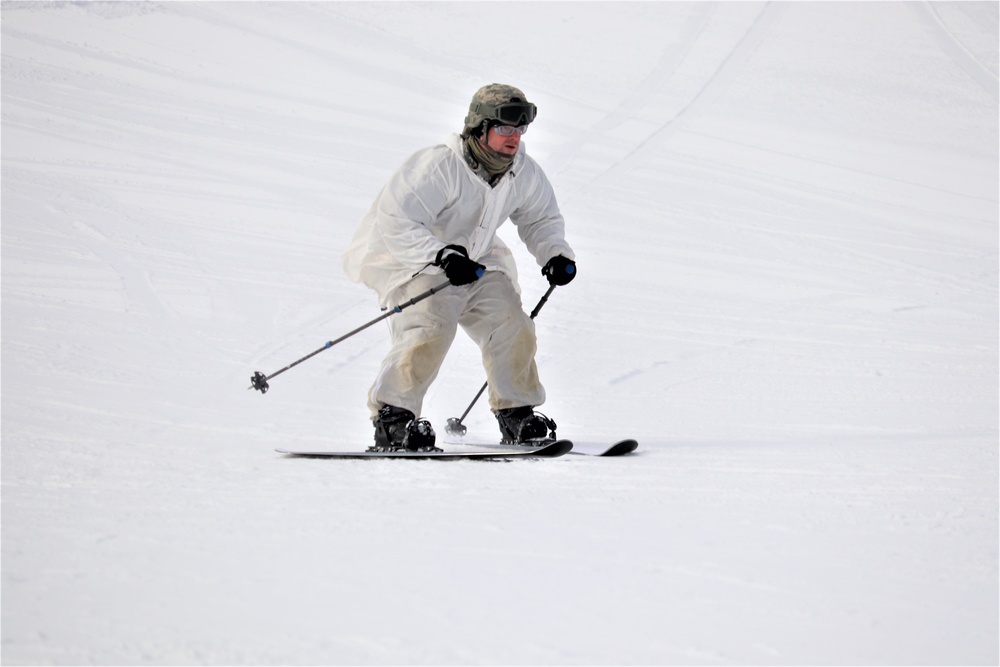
(509, 130)
(511, 113)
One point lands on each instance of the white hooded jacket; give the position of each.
(435, 199)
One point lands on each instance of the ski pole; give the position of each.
(258, 380)
(455, 425)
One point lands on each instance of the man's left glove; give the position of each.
(559, 270)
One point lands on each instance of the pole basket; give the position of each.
(259, 382)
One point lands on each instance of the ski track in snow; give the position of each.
(951, 44)
(786, 220)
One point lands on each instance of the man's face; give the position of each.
(500, 144)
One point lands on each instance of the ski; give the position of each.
(619, 448)
(549, 450)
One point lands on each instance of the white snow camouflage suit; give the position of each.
(433, 200)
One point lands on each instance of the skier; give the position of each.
(439, 214)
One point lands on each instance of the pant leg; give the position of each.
(495, 319)
(421, 334)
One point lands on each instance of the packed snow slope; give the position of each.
(786, 221)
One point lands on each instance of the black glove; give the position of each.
(458, 267)
(559, 270)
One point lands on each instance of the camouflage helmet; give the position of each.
(500, 103)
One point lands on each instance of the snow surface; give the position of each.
(786, 217)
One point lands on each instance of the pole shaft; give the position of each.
(534, 312)
(386, 315)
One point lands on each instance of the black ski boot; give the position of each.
(524, 426)
(397, 429)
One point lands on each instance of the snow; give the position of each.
(786, 220)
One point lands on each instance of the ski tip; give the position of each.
(622, 447)
(619, 448)
(557, 448)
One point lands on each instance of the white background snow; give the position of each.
(786, 220)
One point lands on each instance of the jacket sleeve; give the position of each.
(539, 222)
(407, 208)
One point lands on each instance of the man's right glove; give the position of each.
(559, 270)
(458, 267)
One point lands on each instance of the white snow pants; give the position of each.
(490, 311)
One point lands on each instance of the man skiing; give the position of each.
(438, 216)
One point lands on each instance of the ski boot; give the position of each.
(397, 430)
(524, 426)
